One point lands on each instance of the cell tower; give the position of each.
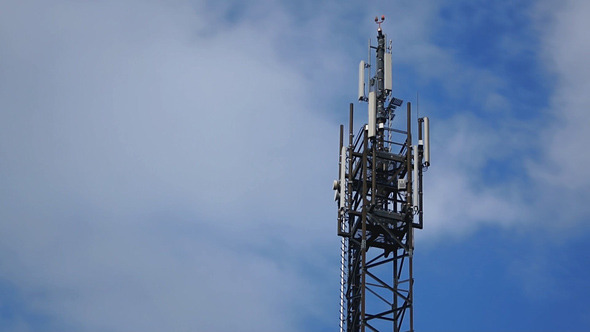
(379, 196)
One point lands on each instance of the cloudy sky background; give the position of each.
(167, 165)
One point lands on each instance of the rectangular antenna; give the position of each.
(372, 113)
(342, 177)
(362, 80)
(387, 68)
(426, 141)
(415, 200)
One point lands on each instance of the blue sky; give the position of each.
(167, 165)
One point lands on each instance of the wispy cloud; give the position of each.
(165, 165)
(147, 164)
(564, 136)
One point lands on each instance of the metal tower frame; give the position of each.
(379, 194)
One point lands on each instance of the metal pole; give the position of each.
(340, 175)
(410, 239)
(395, 286)
(350, 126)
(364, 231)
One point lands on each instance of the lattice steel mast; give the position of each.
(379, 193)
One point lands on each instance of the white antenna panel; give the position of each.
(372, 113)
(342, 176)
(426, 141)
(362, 80)
(387, 68)
(415, 194)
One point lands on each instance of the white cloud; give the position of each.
(459, 195)
(125, 125)
(560, 170)
(566, 51)
(163, 167)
